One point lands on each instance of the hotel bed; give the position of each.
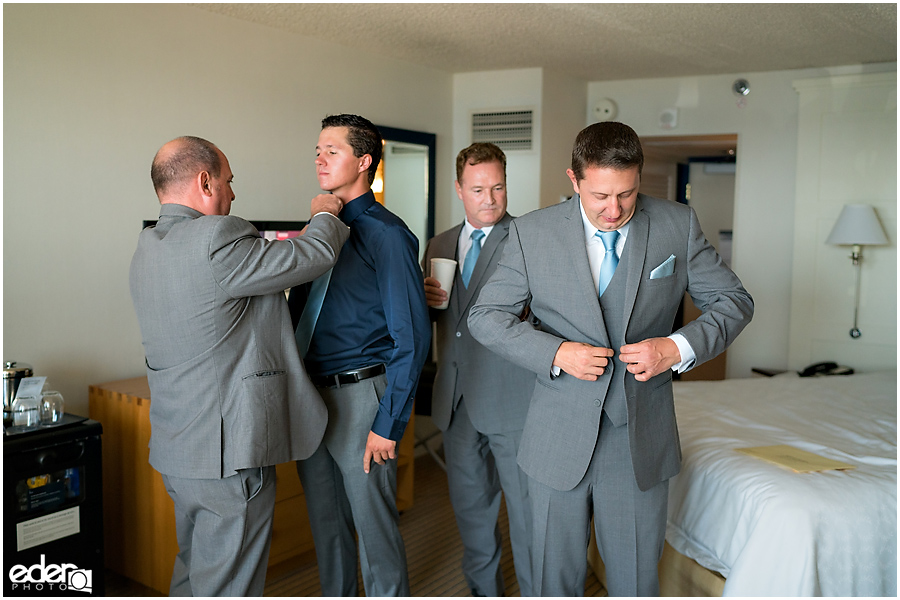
(768, 530)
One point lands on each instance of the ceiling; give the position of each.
(597, 42)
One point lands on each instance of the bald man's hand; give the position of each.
(326, 203)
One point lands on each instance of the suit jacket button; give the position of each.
(458, 334)
(597, 403)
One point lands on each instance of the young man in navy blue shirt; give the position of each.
(365, 355)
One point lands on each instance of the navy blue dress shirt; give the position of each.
(375, 311)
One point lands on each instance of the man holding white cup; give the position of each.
(479, 400)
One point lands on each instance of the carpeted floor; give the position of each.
(433, 551)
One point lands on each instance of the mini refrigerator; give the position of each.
(53, 510)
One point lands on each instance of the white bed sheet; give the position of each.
(768, 530)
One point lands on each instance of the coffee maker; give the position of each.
(13, 373)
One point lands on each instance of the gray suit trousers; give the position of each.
(630, 525)
(341, 497)
(478, 466)
(224, 530)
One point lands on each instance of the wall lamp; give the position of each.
(857, 226)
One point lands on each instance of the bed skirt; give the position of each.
(678, 574)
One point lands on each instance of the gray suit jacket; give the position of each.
(545, 264)
(497, 392)
(228, 389)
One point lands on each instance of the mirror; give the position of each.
(405, 181)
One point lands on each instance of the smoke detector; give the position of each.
(605, 110)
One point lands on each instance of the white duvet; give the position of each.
(768, 530)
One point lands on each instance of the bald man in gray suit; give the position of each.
(605, 273)
(230, 397)
(479, 400)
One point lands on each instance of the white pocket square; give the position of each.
(665, 269)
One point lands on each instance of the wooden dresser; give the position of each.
(139, 519)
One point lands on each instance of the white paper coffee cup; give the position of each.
(444, 270)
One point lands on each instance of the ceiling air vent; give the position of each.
(510, 130)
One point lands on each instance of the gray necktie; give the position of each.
(610, 259)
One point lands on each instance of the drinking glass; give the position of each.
(52, 407)
(26, 412)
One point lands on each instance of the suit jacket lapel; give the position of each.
(636, 250)
(449, 244)
(499, 233)
(445, 246)
(574, 240)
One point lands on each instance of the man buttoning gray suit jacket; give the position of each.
(230, 397)
(600, 438)
(479, 400)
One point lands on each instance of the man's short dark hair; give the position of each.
(362, 136)
(477, 153)
(607, 145)
(191, 156)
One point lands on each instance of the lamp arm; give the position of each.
(857, 260)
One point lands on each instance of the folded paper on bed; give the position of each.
(795, 459)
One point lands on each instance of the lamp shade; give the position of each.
(857, 224)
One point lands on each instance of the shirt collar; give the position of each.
(468, 228)
(356, 207)
(590, 231)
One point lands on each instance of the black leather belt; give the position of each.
(347, 377)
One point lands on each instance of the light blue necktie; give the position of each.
(310, 314)
(610, 259)
(472, 256)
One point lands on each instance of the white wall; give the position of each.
(564, 102)
(847, 155)
(498, 90)
(764, 183)
(92, 91)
